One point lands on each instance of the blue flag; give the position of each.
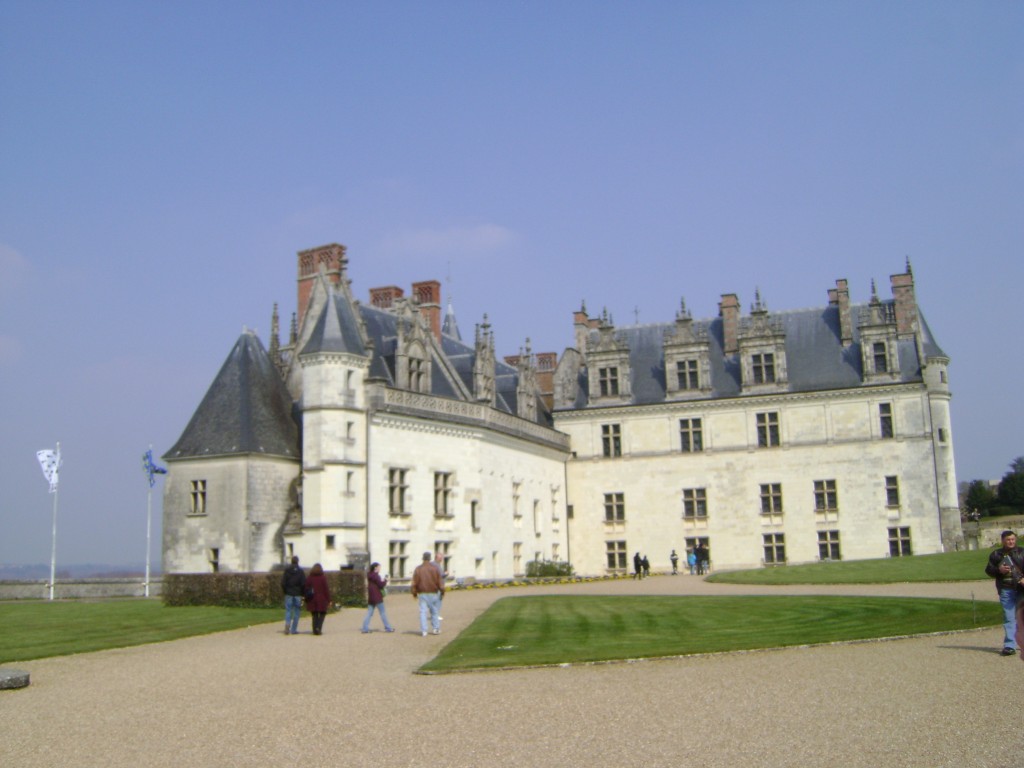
(150, 468)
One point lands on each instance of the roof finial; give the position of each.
(874, 292)
(909, 270)
(758, 305)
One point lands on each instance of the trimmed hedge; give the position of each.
(255, 590)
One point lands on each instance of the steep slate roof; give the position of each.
(247, 409)
(336, 329)
(815, 356)
(459, 358)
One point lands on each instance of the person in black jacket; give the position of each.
(293, 583)
(1006, 566)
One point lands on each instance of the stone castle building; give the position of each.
(376, 433)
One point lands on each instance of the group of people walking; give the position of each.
(314, 592)
(298, 588)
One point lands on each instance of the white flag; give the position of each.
(50, 462)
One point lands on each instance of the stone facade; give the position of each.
(771, 438)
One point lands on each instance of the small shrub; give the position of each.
(546, 568)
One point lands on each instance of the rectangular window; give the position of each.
(942, 435)
(516, 514)
(396, 491)
(198, 497)
(616, 554)
(686, 373)
(695, 504)
(885, 419)
(892, 491)
(443, 494)
(608, 380)
(517, 558)
(774, 548)
(445, 550)
(611, 440)
(536, 516)
(764, 368)
(881, 359)
(768, 429)
(329, 541)
(691, 435)
(215, 560)
(474, 510)
(825, 497)
(828, 545)
(614, 507)
(396, 558)
(899, 542)
(771, 499)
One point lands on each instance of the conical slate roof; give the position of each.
(247, 409)
(336, 329)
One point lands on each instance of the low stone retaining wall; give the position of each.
(79, 588)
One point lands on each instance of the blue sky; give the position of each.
(161, 164)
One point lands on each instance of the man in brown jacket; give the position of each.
(428, 588)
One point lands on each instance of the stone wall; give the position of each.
(79, 589)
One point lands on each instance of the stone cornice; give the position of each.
(466, 414)
(746, 402)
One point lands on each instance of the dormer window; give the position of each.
(687, 374)
(608, 379)
(607, 364)
(762, 350)
(881, 357)
(764, 368)
(417, 374)
(687, 360)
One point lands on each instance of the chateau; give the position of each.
(377, 433)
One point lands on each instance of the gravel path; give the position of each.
(256, 697)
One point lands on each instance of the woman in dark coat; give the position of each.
(318, 597)
(375, 585)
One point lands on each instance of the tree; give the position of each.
(1011, 490)
(1017, 465)
(980, 497)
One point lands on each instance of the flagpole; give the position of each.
(149, 518)
(53, 549)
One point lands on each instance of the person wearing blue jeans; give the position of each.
(428, 587)
(293, 582)
(375, 587)
(1006, 566)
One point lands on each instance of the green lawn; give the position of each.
(556, 629)
(949, 566)
(36, 630)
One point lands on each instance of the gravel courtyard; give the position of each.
(256, 697)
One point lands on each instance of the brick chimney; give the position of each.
(384, 297)
(729, 311)
(840, 297)
(906, 303)
(333, 261)
(428, 295)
